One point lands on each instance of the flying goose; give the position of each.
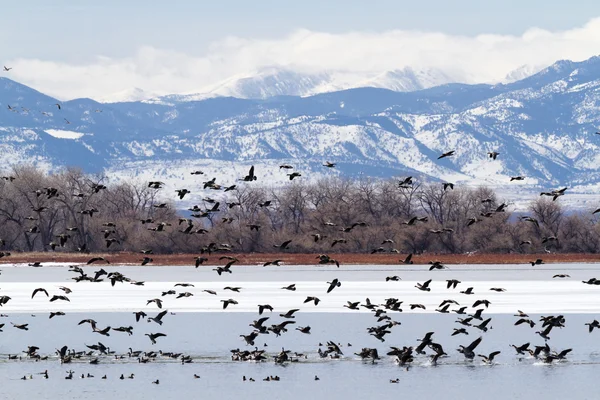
(489, 358)
(39, 290)
(333, 284)
(424, 286)
(154, 336)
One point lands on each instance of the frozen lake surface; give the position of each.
(198, 326)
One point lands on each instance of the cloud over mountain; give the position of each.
(478, 59)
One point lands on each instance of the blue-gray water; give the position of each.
(208, 337)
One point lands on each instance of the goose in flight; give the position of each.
(447, 154)
(59, 297)
(154, 336)
(452, 283)
(489, 358)
(39, 290)
(290, 313)
(315, 300)
(329, 164)
(333, 284)
(424, 286)
(493, 154)
(6, 69)
(250, 177)
(592, 325)
(468, 351)
(157, 301)
(158, 318)
(525, 321)
(263, 307)
(228, 302)
(94, 259)
(407, 260)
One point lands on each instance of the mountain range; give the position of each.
(543, 126)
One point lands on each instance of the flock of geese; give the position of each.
(428, 349)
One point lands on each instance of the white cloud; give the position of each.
(483, 58)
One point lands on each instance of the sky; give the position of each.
(94, 48)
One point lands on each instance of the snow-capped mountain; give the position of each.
(275, 81)
(543, 126)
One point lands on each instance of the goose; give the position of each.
(521, 314)
(329, 164)
(536, 262)
(158, 318)
(59, 297)
(477, 314)
(283, 246)
(452, 283)
(424, 286)
(38, 290)
(315, 300)
(263, 307)
(138, 315)
(250, 338)
(210, 291)
(521, 349)
(498, 289)
(413, 306)
(333, 284)
(592, 325)
(447, 154)
(65, 289)
(146, 260)
(517, 178)
(274, 262)
(294, 175)
(52, 315)
(128, 329)
(250, 177)
(443, 310)
(458, 331)
(103, 332)
(290, 313)
(158, 302)
(561, 276)
(6, 69)
(154, 336)
(483, 326)
(23, 327)
(181, 193)
(489, 359)
(525, 321)
(544, 334)
(233, 289)
(394, 278)
(95, 259)
(468, 351)
(468, 291)
(464, 321)
(305, 329)
(228, 302)
(352, 305)
(478, 303)
(291, 287)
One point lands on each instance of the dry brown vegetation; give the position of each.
(369, 221)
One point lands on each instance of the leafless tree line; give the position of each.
(71, 211)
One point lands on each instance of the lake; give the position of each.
(199, 327)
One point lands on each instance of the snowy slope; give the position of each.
(543, 126)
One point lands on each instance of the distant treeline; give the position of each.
(71, 211)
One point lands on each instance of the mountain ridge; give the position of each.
(543, 126)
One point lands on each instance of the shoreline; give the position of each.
(257, 259)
